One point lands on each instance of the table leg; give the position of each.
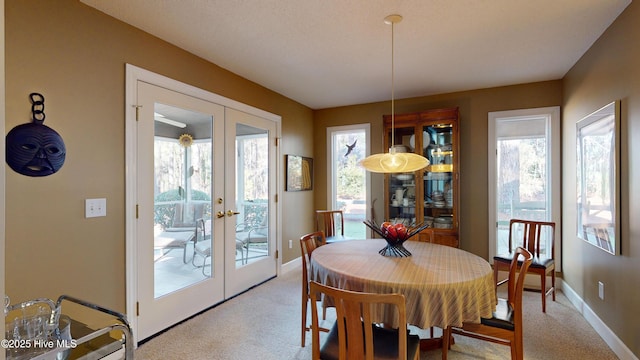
(433, 343)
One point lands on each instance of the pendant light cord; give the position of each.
(393, 112)
(390, 163)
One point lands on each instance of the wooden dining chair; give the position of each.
(542, 265)
(328, 221)
(308, 243)
(355, 335)
(505, 327)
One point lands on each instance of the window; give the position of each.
(349, 181)
(524, 177)
(182, 190)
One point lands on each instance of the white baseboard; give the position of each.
(294, 264)
(616, 345)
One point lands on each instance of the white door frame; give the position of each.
(133, 75)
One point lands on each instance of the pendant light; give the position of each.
(393, 162)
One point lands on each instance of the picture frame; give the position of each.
(299, 176)
(598, 178)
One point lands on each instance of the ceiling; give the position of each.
(328, 53)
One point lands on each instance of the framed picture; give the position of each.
(598, 178)
(299, 173)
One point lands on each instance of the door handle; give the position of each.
(220, 214)
(231, 213)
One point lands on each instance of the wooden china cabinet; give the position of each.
(430, 195)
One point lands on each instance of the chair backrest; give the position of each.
(308, 243)
(355, 322)
(532, 233)
(327, 220)
(203, 229)
(187, 214)
(516, 281)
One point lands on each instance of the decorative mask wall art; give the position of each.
(35, 149)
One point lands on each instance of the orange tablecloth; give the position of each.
(442, 285)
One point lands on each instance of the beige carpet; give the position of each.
(264, 324)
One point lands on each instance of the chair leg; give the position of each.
(446, 338)
(204, 265)
(305, 300)
(553, 284)
(514, 352)
(497, 266)
(519, 351)
(543, 291)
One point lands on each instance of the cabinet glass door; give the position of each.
(402, 186)
(438, 176)
(402, 195)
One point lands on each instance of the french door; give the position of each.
(205, 228)
(249, 225)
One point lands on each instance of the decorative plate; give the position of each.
(426, 140)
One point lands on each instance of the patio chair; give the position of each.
(185, 215)
(202, 243)
(169, 240)
(251, 233)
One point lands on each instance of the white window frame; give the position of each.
(331, 190)
(552, 115)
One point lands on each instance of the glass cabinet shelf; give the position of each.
(429, 195)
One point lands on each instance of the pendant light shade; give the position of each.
(393, 162)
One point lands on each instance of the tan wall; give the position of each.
(607, 72)
(75, 56)
(2, 155)
(474, 108)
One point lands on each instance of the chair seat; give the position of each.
(203, 248)
(173, 239)
(385, 344)
(502, 317)
(250, 237)
(540, 262)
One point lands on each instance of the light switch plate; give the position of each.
(601, 290)
(95, 207)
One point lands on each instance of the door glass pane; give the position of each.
(523, 181)
(349, 182)
(182, 198)
(252, 194)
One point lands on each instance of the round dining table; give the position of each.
(442, 285)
